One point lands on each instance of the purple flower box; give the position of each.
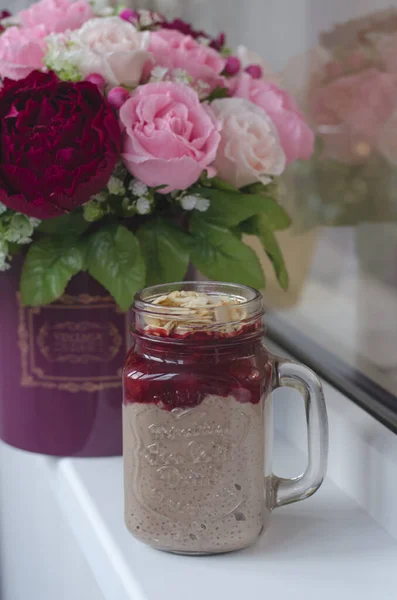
(60, 370)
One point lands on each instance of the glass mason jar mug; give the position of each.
(197, 420)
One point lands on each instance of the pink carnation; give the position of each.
(169, 138)
(296, 137)
(21, 51)
(57, 15)
(173, 50)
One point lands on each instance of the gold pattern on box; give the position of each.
(34, 376)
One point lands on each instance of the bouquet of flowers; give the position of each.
(132, 146)
(351, 102)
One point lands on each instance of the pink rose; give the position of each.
(250, 149)
(169, 138)
(21, 51)
(57, 15)
(362, 102)
(297, 139)
(173, 50)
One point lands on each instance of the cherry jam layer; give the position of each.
(179, 375)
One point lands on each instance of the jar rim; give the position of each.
(249, 301)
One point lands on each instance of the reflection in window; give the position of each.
(340, 61)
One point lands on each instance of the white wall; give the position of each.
(277, 29)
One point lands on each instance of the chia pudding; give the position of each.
(196, 404)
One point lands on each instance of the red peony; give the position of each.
(59, 143)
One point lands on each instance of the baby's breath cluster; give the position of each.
(15, 228)
(132, 196)
(192, 202)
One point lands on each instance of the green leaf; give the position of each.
(219, 184)
(237, 232)
(229, 209)
(50, 264)
(70, 224)
(220, 255)
(114, 259)
(14, 248)
(258, 226)
(217, 93)
(166, 251)
(259, 188)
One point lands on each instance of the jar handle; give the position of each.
(295, 375)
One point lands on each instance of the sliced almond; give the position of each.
(195, 310)
(160, 300)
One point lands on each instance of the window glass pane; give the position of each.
(340, 60)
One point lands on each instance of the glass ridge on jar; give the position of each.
(197, 421)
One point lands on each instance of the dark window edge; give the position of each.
(352, 383)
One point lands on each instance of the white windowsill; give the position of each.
(341, 543)
(324, 547)
(328, 545)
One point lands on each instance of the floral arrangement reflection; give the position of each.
(351, 102)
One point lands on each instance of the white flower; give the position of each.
(107, 11)
(250, 148)
(19, 230)
(176, 75)
(10, 21)
(202, 88)
(3, 208)
(158, 74)
(189, 202)
(111, 47)
(4, 265)
(145, 18)
(62, 56)
(138, 188)
(116, 186)
(3, 255)
(34, 222)
(181, 76)
(93, 211)
(127, 203)
(100, 7)
(202, 204)
(156, 18)
(101, 197)
(143, 206)
(203, 40)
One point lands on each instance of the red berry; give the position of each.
(233, 65)
(129, 15)
(97, 80)
(255, 71)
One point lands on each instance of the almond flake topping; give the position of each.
(195, 311)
